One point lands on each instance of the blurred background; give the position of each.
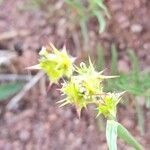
(114, 33)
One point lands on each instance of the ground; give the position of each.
(38, 122)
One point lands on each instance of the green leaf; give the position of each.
(101, 4)
(100, 58)
(124, 134)
(77, 6)
(148, 102)
(111, 134)
(84, 30)
(134, 62)
(101, 21)
(114, 57)
(113, 129)
(140, 115)
(9, 89)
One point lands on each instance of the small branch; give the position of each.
(42, 84)
(13, 77)
(13, 102)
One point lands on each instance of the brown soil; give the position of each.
(38, 122)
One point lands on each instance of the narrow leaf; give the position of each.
(84, 30)
(9, 89)
(101, 21)
(100, 58)
(111, 134)
(124, 134)
(140, 115)
(114, 58)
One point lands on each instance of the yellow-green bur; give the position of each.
(56, 64)
(49, 68)
(73, 96)
(108, 106)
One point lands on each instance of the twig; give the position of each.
(13, 77)
(11, 34)
(42, 84)
(13, 103)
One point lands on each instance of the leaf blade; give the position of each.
(111, 133)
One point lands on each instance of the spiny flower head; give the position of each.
(90, 78)
(107, 104)
(75, 94)
(82, 88)
(55, 63)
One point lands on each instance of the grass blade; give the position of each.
(101, 21)
(111, 134)
(124, 134)
(148, 102)
(113, 129)
(135, 63)
(84, 30)
(140, 115)
(114, 58)
(9, 89)
(100, 58)
(101, 4)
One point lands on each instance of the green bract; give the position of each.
(89, 79)
(56, 64)
(107, 104)
(75, 93)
